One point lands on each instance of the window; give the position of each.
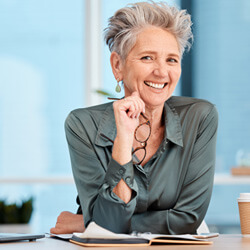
(41, 80)
(221, 75)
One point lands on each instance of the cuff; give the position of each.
(116, 172)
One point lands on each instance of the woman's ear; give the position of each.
(116, 64)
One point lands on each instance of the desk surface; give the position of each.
(226, 241)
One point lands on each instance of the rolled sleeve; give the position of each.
(110, 211)
(116, 172)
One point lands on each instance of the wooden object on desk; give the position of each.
(240, 170)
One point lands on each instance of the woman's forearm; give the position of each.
(122, 154)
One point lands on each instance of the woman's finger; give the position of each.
(136, 105)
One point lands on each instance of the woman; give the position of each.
(145, 162)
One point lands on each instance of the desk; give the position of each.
(225, 241)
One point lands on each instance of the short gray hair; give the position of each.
(127, 22)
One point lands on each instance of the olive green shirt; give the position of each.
(171, 193)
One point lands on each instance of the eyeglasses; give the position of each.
(141, 135)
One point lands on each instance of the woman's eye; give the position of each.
(146, 58)
(173, 60)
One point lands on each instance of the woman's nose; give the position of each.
(161, 70)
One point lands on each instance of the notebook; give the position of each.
(96, 236)
(10, 237)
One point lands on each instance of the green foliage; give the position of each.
(15, 213)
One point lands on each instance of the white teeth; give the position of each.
(154, 85)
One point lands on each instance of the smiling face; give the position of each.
(152, 67)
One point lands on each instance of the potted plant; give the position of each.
(15, 213)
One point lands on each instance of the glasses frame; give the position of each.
(143, 142)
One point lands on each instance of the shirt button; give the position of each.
(121, 171)
(128, 179)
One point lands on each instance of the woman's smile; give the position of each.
(155, 85)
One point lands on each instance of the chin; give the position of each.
(154, 101)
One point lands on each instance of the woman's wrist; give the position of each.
(122, 149)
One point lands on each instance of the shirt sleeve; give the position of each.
(95, 181)
(192, 204)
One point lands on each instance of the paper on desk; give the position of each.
(95, 231)
(61, 236)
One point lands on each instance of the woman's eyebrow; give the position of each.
(174, 55)
(147, 52)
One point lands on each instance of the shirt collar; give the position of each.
(107, 127)
(173, 130)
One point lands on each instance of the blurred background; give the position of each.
(53, 59)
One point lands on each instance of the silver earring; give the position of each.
(118, 87)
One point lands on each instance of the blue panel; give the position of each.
(221, 75)
(41, 80)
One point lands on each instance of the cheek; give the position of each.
(176, 74)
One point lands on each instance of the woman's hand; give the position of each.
(127, 112)
(68, 223)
